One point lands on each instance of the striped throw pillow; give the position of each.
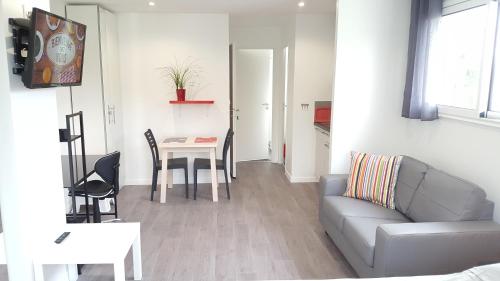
(373, 178)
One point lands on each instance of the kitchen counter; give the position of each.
(322, 148)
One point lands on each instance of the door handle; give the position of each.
(110, 112)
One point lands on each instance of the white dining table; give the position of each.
(186, 145)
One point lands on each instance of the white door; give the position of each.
(252, 104)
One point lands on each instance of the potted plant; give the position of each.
(182, 75)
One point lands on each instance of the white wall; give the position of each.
(310, 38)
(290, 35)
(150, 41)
(6, 142)
(369, 82)
(31, 197)
(313, 81)
(252, 34)
(368, 96)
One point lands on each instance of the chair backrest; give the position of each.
(153, 146)
(227, 143)
(108, 168)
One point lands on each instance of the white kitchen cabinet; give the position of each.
(99, 95)
(322, 152)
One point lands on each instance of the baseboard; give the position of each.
(303, 179)
(288, 175)
(137, 182)
(294, 179)
(177, 180)
(138, 185)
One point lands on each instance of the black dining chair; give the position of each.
(174, 163)
(108, 168)
(204, 164)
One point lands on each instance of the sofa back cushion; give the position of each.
(442, 197)
(487, 211)
(411, 174)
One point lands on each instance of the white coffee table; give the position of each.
(3, 259)
(99, 243)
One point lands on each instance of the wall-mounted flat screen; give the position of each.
(56, 50)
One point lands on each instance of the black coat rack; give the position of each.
(66, 135)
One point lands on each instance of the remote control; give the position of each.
(62, 237)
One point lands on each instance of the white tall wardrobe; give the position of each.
(99, 95)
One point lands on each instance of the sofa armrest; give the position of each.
(333, 185)
(435, 247)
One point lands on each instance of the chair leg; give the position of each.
(186, 181)
(195, 182)
(87, 213)
(154, 183)
(227, 184)
(116, 206)
(97, 211)
(155, 187)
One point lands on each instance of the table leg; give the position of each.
(213, 170)
(164, 177)
(72, 271)
(170, 173)
(137, 259)
(38, 269)
(119, 267)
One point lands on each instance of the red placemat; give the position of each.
(205, 140)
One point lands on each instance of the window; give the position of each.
(494, 98)
(456, 59)
(461, 74)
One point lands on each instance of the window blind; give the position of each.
(455, 6)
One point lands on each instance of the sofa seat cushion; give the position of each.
(442, 197)
(361, 233)
(338, 208)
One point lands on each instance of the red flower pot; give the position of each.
(181, 94)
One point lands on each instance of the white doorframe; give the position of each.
(284, 102)
(278, 106)
(232, 47)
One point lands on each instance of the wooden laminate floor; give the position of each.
(268, 230)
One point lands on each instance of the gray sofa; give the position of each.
(441, 224)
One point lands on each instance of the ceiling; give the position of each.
(234, 7)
